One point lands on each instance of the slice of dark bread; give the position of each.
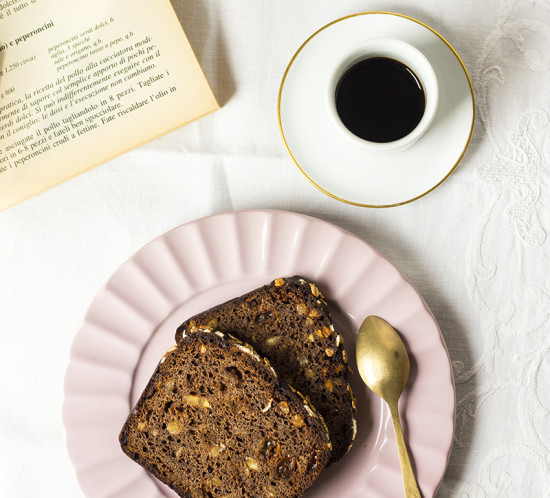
(216, 421)
(288, 322)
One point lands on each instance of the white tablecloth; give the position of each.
(476, 248)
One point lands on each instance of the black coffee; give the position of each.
(380, 99)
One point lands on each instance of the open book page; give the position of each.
(82, 82)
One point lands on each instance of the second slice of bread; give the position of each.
(288, 321)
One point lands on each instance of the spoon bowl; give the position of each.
(383, 364)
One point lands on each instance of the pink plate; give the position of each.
(132, 321)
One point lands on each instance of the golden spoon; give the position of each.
(383, 364)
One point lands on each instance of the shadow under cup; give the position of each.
(383, 95)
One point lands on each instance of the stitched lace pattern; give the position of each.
(509, 284)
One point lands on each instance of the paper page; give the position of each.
(82, 82)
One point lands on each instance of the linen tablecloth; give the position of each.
(476, 248)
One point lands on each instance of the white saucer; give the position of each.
(338, 166)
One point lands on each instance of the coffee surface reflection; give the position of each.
(380, 100)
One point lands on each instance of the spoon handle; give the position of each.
(411, 487)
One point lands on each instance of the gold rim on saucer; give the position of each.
(359, 203)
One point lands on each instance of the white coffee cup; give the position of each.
(404, 53)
